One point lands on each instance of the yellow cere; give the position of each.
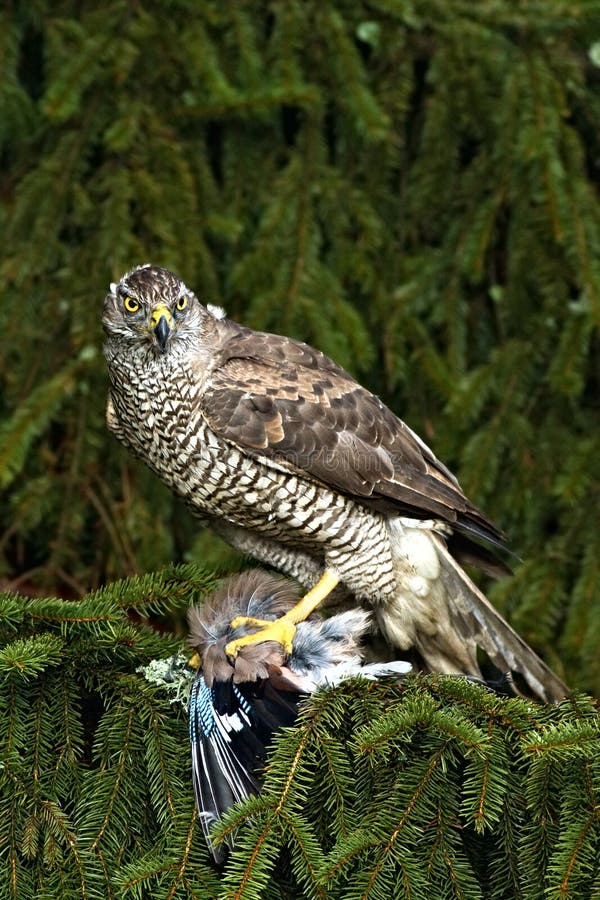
(157, 315)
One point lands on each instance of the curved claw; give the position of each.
(281, 630)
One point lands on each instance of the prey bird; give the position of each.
(237, 705)
(291, 461)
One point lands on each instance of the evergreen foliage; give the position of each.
(95, 780)
(412, 187)
(432, 788)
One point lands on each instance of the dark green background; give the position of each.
(410, 186)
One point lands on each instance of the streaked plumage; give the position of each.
(236, 707)
(294, 463)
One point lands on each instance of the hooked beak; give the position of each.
(161, 325)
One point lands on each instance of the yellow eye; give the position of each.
(182, 302)
(131, 305)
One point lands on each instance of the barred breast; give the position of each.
(216, 479)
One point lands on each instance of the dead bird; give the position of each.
(236, 706)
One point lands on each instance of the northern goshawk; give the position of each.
(290, 460)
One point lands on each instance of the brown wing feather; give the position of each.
(282, 399)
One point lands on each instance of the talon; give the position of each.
(281, 630)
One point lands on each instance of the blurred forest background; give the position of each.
(410, 186)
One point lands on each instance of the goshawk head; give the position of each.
(151, 306)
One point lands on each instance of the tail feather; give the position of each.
(439, 611)
(480, 625)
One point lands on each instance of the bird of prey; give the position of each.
(293, 462)
(236, 706)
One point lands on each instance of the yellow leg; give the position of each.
(283, 629)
